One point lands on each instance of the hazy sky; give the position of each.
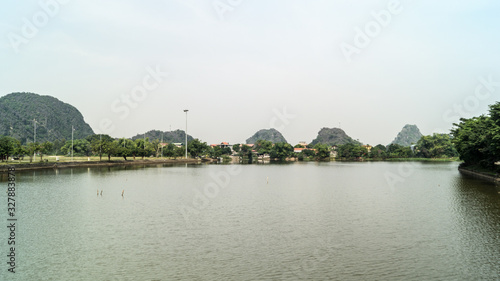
(243, 65)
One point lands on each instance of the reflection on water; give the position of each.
(311, 221)
(478, 201)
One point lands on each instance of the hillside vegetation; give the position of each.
(333, 136)
(271, 135)
(54, 118)
(410, 134)
(177, 136)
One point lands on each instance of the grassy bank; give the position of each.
(66, 159)
(479, 169)
(68, 162)
(480, 172)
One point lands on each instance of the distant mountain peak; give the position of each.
(410, 134)
(333, 136)
(271, 135)
(177, 136)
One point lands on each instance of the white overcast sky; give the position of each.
(257, 64)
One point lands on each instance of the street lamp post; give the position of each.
(186, 133)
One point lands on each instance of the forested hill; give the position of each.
(410, 134)
(177, 136)
(54, 118)
(333, 136)
(271, 135)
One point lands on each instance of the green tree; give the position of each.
(227, 151)
(308, 152)
(236, 148)
(352, 151)
(125, 148)
(281, 151)
(155, 147)
(58, 144)
(476, 139)
(246, 151)
(300, 156)
(263, 147)
(197, 148)
(436, 146)
(31, 149)
(22, 151)
(45, 148)
(243, 150)
(322, 151)
(100, 144)
(81, 147)
(141, 147)
(8, 146)
(215, 152)
(169, 150)
(110, 148)
(179, 151)
(379, 151)
(395, 150)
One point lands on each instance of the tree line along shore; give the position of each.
(475, 141)
(106, 148)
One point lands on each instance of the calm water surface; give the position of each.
(300, 221)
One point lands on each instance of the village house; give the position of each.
(303, 143)
(222, 145)
(298, 149)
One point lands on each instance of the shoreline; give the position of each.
(81, 164)
(479, 174)
(106, 163)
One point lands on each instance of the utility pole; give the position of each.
(186, 143)
(72, 130)
(161, 144)
(34, 139)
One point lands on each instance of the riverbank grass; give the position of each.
(68, 159)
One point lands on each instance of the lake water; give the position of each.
(299, 221)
